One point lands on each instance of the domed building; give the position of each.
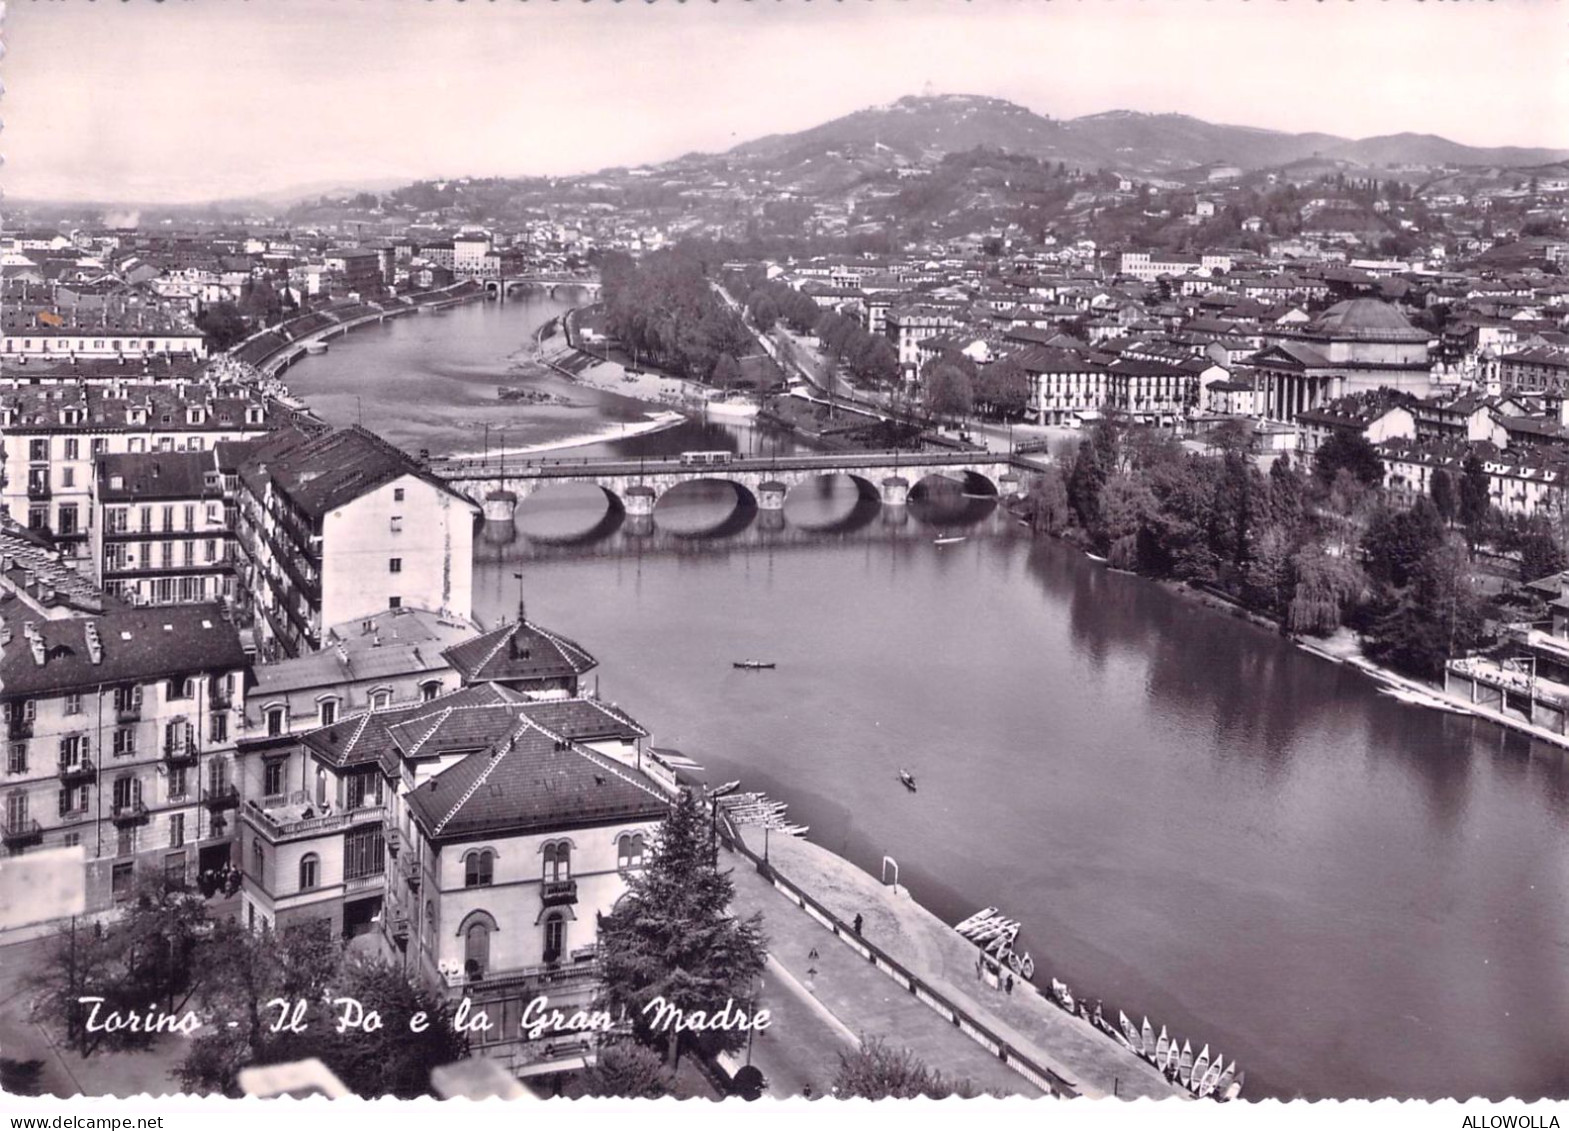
(1354, 346)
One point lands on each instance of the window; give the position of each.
(429, 690)
(397, 494)
(180, 688)
(479, 869)
(168, 520)
(177, 834)
(394, 602)
(629, 850)
(73, 800)
(125, 841)
(127, 792)
(120, 881)
(381, 698)
(124, 742)
(272, 777)
(329, 711)
(16, 758)
(364, 853)
(310, 869)
(73, 704)
(174, 869)
(38, 449)
(68, 477)
(555, 937)
(116, 520)
(476, 949)
(274, 721)
(430, 922)
(258, 859)
(395, 565)
(190, 516)
(74, 749)
(15, 810)
(397, 524)
(177, 782)
(558, 861)
(72, 448)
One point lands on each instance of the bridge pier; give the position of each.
(500, 506)
(1008, 485)
(896, 491)
(640, 525)
(771, 496)
(771, 519)
(639, 501)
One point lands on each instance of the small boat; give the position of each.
(1094, 557)
(949, 539)
(1148, 1034)
(755, 665)
(1161, 1045)
(1234, 1089)
(1200, 1066)
(1226, 1076)
(907, 779)
(975, 920)
(1134, 1042)
(1064, 996)
(1211, 1078)
(1185, 1062)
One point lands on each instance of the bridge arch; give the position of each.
(668, 502)
(971, 483)
(570, 513)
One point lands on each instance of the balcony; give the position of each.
(179, 753)
(19, 728)
(577, 973)
(78, 771)
(128, 712)
(220, 797)
(22, 832)
(129, 813)
(39, 489)
(558, 893)
(412, 873)
(399, 926)
(289, 821)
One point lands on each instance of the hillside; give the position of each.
(921, 130)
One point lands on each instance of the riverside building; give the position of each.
(477, 834)
(344, 526)
(120, 732)
(53, 433)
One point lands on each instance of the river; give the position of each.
(1192, 819)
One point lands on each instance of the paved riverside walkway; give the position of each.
(822, 1006)
(871, 1003)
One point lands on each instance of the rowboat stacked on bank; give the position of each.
(1205, 1076)
(757, 809)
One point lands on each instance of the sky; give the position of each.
(204, 99)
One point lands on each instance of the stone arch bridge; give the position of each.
(637, 485)
(503, 288)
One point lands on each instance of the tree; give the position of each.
(1092, 467)
(78, 961)
(1004, 386)
(223, 325)
(1048, 501)
(1475, 500)
(626, 1070)
(392, 1060)
(726, 373)
(1352, 452)
(672, 937)
(1442, 491)
(246, 970)
(1437, 616)
(877, 1072)
(1325, 587)
(946, 390)
(1398, 542)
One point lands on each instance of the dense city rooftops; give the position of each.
(142, 476)
(520, 651)
(121, 646)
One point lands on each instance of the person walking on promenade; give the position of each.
(857, 926)
(1010, 983)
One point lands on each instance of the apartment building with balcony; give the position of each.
(160, 532)
(342, 526)
(54, 433)
(120, 733)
